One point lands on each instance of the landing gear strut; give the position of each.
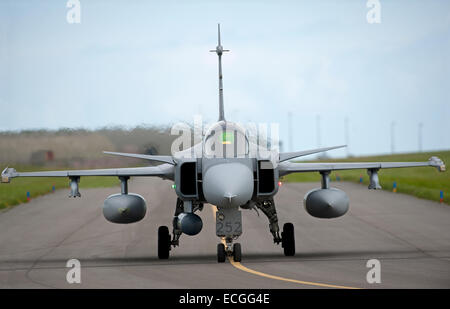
(286, 239)
(179, 208)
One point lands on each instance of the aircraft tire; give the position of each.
(163, 242)
(237, 252)
(288, 240)
(221, 253)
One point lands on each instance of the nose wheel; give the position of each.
(224, 251)
(221, 253)
(237, 252)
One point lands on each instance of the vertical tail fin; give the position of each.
(219, 51)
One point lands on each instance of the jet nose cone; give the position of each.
(228, 185)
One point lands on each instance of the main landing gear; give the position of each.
(165, 242)
(287, 238)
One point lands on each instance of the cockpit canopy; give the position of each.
(226, 140)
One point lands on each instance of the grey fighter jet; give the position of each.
(228, 170)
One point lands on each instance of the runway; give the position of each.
(409, 236)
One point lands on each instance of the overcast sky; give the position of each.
(147, 62)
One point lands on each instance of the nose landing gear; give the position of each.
(229, 227)
(224, 251)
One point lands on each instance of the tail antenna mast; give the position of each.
(219, 51)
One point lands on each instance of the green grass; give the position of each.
(422, 182)
(15, 192)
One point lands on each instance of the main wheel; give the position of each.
(237, 252)
(221, 253)
(163, 242)
(288, 240)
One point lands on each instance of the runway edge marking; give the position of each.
(239, 266)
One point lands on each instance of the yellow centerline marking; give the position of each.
(239, 266)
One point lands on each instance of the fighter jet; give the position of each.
(229, 170)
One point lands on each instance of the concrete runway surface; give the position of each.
(409, 236)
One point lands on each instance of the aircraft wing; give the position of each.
(285, 168)
(285, 156)
(165, 171)
(165, 159)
